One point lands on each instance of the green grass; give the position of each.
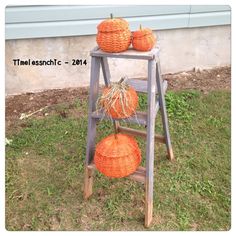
(45, 169)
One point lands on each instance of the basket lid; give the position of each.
(117, 145)
(113, 25)
(142, 33)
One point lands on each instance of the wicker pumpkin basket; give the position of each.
(117, 155)
(113, 35)
(143, 39)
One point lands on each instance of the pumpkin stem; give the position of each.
(115, 128)
(140, 27)
(111, 16)
(121, 80)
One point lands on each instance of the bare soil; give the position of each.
(204, 80)
(218, 78)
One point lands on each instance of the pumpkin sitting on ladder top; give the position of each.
(113, 35)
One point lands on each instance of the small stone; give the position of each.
(197, 69)
(31, 98)
(184, 74)
(46, 114)
(26, 153)
(218, 76)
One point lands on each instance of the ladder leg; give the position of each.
(107, 79)
(163, 111)
(150, 144)
(93, 94)
(106, 71)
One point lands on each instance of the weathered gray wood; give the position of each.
(163, 111)
(106, 71)
(139, 175)
(93, 94)
(139, 118)
(141, 85)
(141, 170)
(91, 166)
(157, 106)
(88, 182)
(150, 143)
(107, 80)
(143, 134)
(154, 85)
(129, 54)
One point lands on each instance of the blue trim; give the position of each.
(59, 21)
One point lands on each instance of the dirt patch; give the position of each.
(30, 102)
(203, 80)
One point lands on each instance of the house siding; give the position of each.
(24, 22)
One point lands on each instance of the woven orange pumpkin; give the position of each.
(113, 35)
(143, 39)
(117, 155)
(119, 100)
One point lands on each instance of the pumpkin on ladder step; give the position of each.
(119, 100)
(117, 155)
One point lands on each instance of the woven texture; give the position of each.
(121, 110)
(117, 156)
(113, 35)
(113, 25)
(143, 40)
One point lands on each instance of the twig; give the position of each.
(24, 116)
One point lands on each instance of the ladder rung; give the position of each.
(139, 118)
(128, 54)
(139, 175)
(141, 85)
(140, 133)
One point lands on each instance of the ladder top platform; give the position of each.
(129, 54)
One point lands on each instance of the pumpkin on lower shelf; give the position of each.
(113, 35)
(119, 100)
(117, 155)
(143, 39)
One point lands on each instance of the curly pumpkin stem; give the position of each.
(140, 27)
(111, 16)
(121, 80)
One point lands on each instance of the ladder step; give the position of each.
(141, 85)
(139, 118)
(140, 133)
(139, 175)
(128, 54)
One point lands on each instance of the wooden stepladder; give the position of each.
(155, 87)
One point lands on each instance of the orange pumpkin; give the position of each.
(143, 39)
(117, 155)
(119, 100)
(113, 35)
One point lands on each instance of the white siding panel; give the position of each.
(29, 14)
(61, 21)
(210, 19)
